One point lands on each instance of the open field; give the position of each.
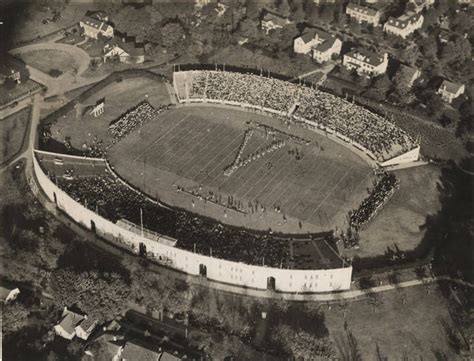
(401, 221)
(119, 97)
(191, 146)
(414, 329)
(13, 131)
(49, 60)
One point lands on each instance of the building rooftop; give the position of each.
(450, 87)
(275, 18)
(363, 9)
(132, 352)
(92, 22)
(366, 56)
(70, 321)
(407, 72)
(403, 21)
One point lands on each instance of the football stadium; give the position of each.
(235, 177)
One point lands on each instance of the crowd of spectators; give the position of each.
(114, 201)
(383, 190)
(377, 134)
(133, 118)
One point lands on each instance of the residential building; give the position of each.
(364, 14)
(12, 69)
(419, 5)
(404, 25)
(450, 91)
(86, 327)
(271, 21)
(67, 327)
(8, 294)
(324, 2)
(321, 45)
(132, 351)
(93, 26)
(125, 49)
(407, 75)
(366, 62)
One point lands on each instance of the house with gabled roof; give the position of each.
(125, 49)
(366, 62)
(450, 90)
(363, 14)
(271, 21)
(419, 5)
(321, 45)
(86, 327)
(8, 294)
(67, 327)
(407, 75)
(94, 25)
(404, 25)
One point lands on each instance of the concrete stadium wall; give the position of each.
(364, 153)
(235, 273)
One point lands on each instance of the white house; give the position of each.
(366, 62)
(364, 14)
(404, 25)
(67, 327)
(419, 5)
(320, 44)
(85, 328)
(8, 294)
(92, 27)
(450, 91)
(272, 21)
(125, 50)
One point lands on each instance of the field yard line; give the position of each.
(201, 138)
(159, 138)
(298, 200)
(269, 182)
(264, 174)
(325, 198)
(234, 149)
(332, 176)
(289, 174)
(179, 134)
(261, 177)
(218, 145)
(282, 200)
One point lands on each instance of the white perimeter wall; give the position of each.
(235, 273)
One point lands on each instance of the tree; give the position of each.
(102, 297)
(248, 28)
(458, 49)
(327, 13)
(173, 35)
(429, 47)
(283, 7)
(301, 344)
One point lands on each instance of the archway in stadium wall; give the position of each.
(55, 198)
(141, 249)
(202, 270)
(271, 283)
(93, 229)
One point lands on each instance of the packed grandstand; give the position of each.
(376, 134)
(110, 198)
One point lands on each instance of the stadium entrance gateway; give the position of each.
(141, 249)
(93, 226)
(202, 270)
(271, 283)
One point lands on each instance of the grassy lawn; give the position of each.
(48, 60)
(414, 329)
(119, 97)
(13, 131)
(401, 221)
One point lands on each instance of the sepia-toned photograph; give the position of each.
(233, 180)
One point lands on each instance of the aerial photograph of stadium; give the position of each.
(237, 180)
